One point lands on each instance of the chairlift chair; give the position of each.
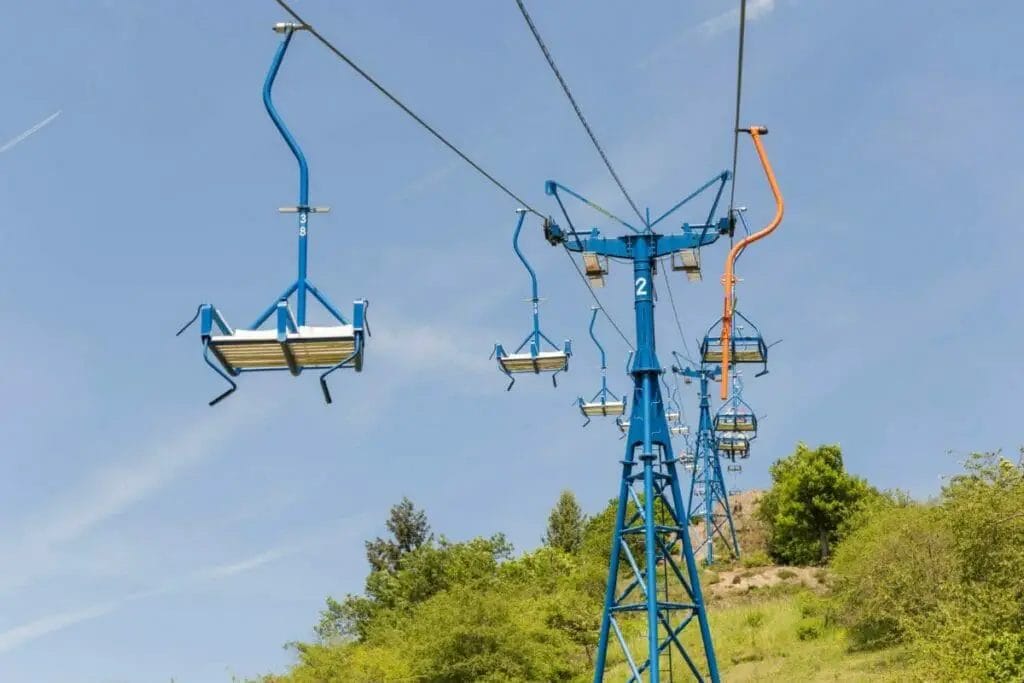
(604, 402)
(734, 444)
(533, 359)
(736, 416)
(734, 468)
(291, 344)
(735, 346)
(745, 346)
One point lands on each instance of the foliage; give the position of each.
(423, 572)
(756, 558)
(409, 530)
(810, 504)
(891, 572)
(945, 577)
(566, 524)
(922, 591)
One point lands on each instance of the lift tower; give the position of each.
(709, 499)
(657, 520)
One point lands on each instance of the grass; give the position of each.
(773, 638)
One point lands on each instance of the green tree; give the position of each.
(565, 524)
(423, 572)
(409, 530)
(810, 504)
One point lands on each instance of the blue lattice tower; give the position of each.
(709, 497)
(651, 524)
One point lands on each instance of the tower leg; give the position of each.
(613, 567)
(720, 486)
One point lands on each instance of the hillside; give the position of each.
(900, 590)
(771, 622)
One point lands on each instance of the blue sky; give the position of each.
(144, 535)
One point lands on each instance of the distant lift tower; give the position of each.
(651, 519)
(709, 498)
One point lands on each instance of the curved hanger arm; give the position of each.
(729, 279)
(268, 84)
(593, 319)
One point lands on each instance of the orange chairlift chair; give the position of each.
(726, 347)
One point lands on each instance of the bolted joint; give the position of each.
(552, 233)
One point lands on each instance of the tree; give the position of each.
(423, 572)
(565, 524)
(409, 529)
(810, 504)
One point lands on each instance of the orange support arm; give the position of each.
(729, 279)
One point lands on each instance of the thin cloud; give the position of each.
(709, 28)
(113, 490)
(756, 9)
(224, 571)
(30, 132)
(17, 636)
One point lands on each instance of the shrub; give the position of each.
(754, 619)
(891, 573)
(758, 558)
(808, 629)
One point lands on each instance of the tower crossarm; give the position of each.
(693, 236)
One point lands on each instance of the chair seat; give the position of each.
(545, 361)
(604, 409)
(309, 347)
(735, 423)
(743, 351)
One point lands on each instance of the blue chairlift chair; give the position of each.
(746, 344)
(291, 343)
(533, 359)
(604, 402)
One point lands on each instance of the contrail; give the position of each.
(30, 132)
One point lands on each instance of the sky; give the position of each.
(145, 536)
